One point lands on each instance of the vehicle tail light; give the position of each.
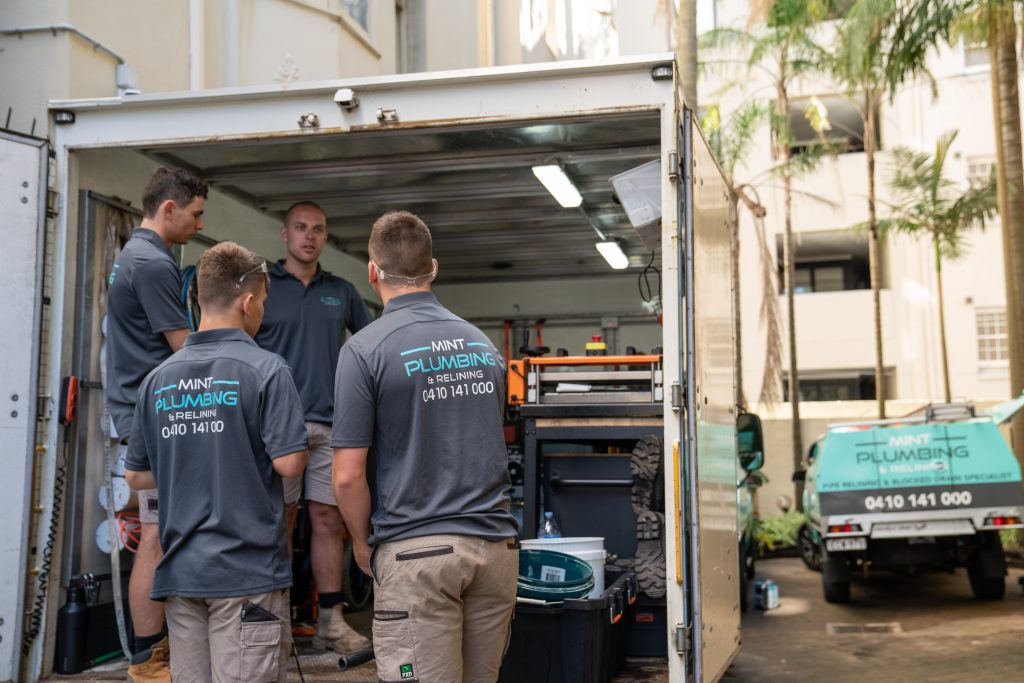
(1002, 520)
(844, 529)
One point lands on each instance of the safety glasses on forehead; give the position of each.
(402, 281)
(261, 268)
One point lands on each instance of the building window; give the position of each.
(840, 385)
(835, 261)
(993, 344)
(357, 9)
(843, 129)
(980, 170)
(975, 56)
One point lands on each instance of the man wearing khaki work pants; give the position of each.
(424, 390)
(216, 427)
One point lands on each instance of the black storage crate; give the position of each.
(583, 641)
(648, 630)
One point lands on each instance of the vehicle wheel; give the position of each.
(986, 569)
(356, 587)
(835, 577)
(809, 551)
(744, 582)
(836, 592)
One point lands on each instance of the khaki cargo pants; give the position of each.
(213, 641)
(442, 608)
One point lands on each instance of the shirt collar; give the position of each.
(410, 299)
(278, 270)
(150, 236)
(219, 335)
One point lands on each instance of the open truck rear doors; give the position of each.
(254, 142)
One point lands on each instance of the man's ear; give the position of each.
(167, 209)
(284, 234)
(371, 273)
(246, 302)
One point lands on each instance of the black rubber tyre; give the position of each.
(836, 592)
(986, 569)
(356, 587)
(810, 553)
(744, 581)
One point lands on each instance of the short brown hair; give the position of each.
(177, 184)
(221, 269)
(400, 244)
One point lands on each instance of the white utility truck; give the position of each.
(458, 148)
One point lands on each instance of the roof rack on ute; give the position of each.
(933, 412)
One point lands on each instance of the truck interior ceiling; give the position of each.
(508, 251)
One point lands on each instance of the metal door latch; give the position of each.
(387, 115)
(309, 120)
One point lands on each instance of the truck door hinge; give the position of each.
(673, 165)
(684, 639)
(677, 396)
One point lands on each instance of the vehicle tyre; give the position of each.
(986, 569)
(809, 551)
(836, 592)
(356, 587)
(744, 581)
(835, 577)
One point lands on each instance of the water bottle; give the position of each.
(548, 528)
(72, 633)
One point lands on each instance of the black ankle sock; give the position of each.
(328, 600)
(146, 642)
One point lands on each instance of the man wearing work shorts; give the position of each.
(216, 427)
(421, 392)
(307, 313)
(146, 323)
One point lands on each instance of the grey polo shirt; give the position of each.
(209, 421)
(143, 302)
(306, 326)
(425, 390)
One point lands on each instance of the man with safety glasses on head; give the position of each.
(307, 314)
(419, 405)
(217, 426)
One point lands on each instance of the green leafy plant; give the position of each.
(777, 532)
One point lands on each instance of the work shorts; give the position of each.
(319, 468)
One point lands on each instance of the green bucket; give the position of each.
(553, 576)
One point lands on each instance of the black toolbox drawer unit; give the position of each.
(578, 641)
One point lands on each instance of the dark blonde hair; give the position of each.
(221, 270)
(400, 244)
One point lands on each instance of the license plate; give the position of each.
(840, 544)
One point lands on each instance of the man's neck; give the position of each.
(155, 226)
(303, 272)
(220, 321)
(389, 293)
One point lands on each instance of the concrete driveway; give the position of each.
(921, 628)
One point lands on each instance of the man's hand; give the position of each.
(361, 551)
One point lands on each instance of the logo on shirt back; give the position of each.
(330, 301)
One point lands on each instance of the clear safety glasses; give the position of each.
(261, 268)
(402, 281)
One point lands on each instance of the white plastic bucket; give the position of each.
(590, 549)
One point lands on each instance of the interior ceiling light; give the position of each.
(558, 184)
(613, 254)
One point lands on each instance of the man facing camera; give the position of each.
(217, 425)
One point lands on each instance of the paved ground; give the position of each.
(943, 635)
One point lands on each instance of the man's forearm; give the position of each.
(354, 503)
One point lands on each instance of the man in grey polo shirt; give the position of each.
(423, 391)
(216, 427)
(306, 316)
(146, 323)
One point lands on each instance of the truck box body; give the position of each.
(457, 148)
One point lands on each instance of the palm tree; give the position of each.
(731, 144)
(879, 45)
(926, 203)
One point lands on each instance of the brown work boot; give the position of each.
(152, 665)
(332, 633)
